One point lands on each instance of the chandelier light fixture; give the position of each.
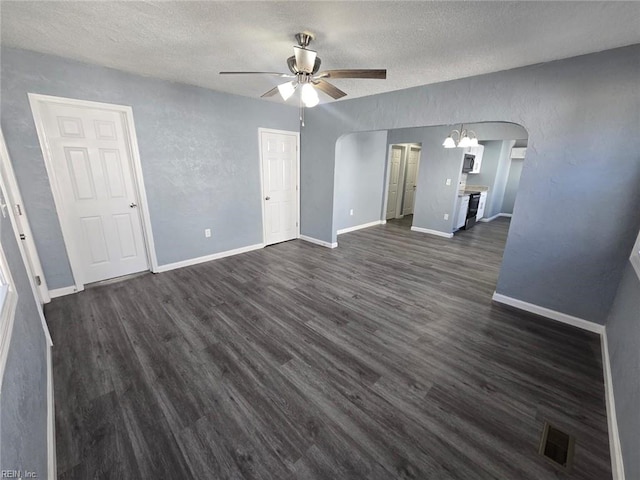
(466, 138)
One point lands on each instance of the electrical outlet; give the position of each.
(351, 212)
(207, 232)
(448, 182)
(446, 216)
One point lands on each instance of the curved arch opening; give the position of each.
(407, 178)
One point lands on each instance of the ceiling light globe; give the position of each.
(464, 142)
(309, 95)
(286, 90)
(449, 143)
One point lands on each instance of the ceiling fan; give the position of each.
(304, 66)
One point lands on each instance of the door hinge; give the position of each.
(38, 281)
(296, 224)
(19, 209)
(22, 236)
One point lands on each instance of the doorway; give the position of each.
(402, 168)
(280, 167)
(22, 229)
(91, 156)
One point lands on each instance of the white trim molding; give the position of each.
(548, 313)
(322, 243)
(432, 232)
(490, 219)
(360, 227)
(61, 292)
(617, 465)
(207, 258)
(51, 418)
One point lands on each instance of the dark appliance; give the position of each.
(474, 201)
(467, 162)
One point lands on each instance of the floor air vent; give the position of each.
(557, 446)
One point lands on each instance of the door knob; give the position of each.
(133, 205)
(267, 198)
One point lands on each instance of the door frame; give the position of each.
(126, 113)
(20, 223)
(262, 130)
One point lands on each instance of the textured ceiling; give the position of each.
(418, 42)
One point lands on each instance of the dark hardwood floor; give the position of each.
(382, 359)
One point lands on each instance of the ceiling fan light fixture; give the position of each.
(309, 96)
(286, 90)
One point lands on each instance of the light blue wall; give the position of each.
(623, 335)
(23, 393)
(579, 114)
(360, 176)
(511, 189)
(199, 152)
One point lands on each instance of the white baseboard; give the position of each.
(51, 419)
(617, 465)
(318, 242)
(359, 227)
(432, 232)
(208, 258)
(548, 313)
(61, 292)
(490, 219)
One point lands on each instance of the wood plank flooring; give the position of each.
(382, 359)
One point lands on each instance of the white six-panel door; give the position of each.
(279, 158)
(411, 177)
(93, 173)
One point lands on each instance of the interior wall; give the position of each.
(199, 153)
(359, 178)
(23, 393)
(623, 336)
(579, 113)
(511, 189)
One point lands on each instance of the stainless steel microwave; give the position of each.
(467, 162)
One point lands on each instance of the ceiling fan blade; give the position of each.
(277, 74)
(305, 59)
(364, 73)
(270, 93)
(331, 90)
